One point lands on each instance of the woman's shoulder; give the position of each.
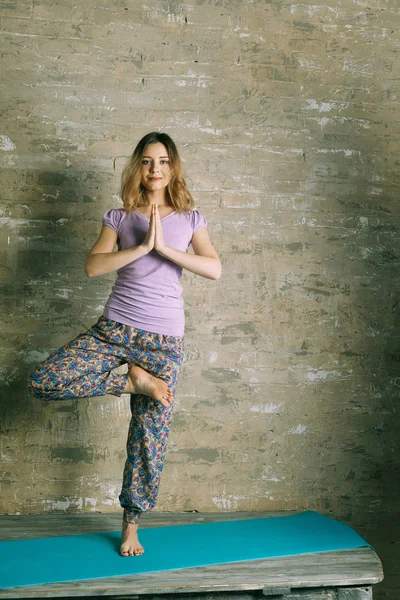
(116, 211)
(113, 217)
(197, 219)
(193, 213)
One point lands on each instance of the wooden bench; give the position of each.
(339, 575)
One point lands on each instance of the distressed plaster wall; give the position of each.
(287, 117)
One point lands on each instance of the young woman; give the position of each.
(143, 320)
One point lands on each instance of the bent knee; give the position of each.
(35, 385)
(40, 386)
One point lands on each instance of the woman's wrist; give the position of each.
(143, 249)
(163, 251)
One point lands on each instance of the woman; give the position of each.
(143, 320)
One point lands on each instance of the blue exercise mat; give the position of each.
(96, 555)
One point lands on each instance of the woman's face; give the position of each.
(156, 172)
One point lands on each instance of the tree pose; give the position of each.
(143, 320)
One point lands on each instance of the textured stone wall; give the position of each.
(287, 118)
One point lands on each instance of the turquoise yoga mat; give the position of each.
(96, 555)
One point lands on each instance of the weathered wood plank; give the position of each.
(354, 594)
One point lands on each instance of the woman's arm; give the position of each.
(101, 258)
(204, 261)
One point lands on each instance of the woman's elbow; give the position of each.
(217, 271)
(88, 271)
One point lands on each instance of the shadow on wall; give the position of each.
(375, 400)
(368, 319)
(49, 300)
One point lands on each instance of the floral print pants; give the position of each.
(83, 368)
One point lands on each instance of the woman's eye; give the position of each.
(145, 161)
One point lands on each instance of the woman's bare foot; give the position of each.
(130, 543)
(142, 382)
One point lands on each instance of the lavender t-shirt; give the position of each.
(147, 292)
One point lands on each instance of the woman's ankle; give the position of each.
(128, 389)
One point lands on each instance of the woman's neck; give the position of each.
(159, 203)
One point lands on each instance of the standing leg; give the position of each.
(161, 355)
(83, 367)
(147, 442)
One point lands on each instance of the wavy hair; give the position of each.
(132, 191)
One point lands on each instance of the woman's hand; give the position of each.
(159, 243)
(148, 242)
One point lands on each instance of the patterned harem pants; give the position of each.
(83, 368)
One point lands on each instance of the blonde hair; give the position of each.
(132, 191)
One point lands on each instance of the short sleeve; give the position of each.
(112, 218)
(198, 220)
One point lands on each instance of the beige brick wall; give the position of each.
(287, 118)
